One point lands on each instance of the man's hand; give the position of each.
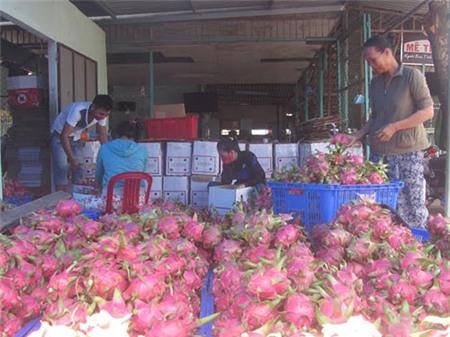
(75, 164)
(385, 134)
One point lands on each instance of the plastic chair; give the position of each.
(132, 183)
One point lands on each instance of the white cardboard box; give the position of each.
(199, 190)
(205, 158)
(243, 146)
(264, 153)
(176, 189)
(154, 158)
(223, 197)
(309, 149)
(169, 110)
(156, 190)
(178, 158)
(286, 155)
(25, 82)
(88, 158)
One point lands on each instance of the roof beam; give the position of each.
(108, 10)
(406, 16)
(197, 16)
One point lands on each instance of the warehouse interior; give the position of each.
(273, 66)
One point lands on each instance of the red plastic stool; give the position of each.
(132, 183)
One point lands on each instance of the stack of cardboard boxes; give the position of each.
(27, 149)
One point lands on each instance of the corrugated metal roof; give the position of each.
(118, 8)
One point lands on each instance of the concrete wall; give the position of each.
(62, 22)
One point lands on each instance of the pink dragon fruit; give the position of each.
(299, 310)
(287, 235)
(212, 236)
(227, 249)
(268, 283)
(349, 176)
(375, 178)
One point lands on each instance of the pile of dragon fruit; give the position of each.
(142, 275)
(65, 268)
(335, 167)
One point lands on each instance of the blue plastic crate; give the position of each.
(30, 327)
(420, 234)
(319, 203)
(91, 214)
(18, 200)
(207, 304)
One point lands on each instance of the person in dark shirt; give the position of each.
(241, 166)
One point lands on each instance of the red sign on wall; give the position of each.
(416, 49)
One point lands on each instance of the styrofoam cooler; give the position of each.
(176, 189)
(199, 190)
(264, 153)
(222, 198)
(286, 155)
(156, 190)
(205, 158)
(178, 158)
(88, 158)
(155, 155)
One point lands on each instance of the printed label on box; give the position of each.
(204, 165)
(178, 166)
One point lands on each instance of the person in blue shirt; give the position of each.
(121, 155)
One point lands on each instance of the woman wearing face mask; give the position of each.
(239, 166)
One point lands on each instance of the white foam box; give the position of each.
(199, 190)
(156, 190)
(205, 158)
(25, 82)
(243, 146)
(88, 158)
(178, 158)
(286, 155)
(264, 153)
(223, 197)
(154, 157)
(176, 189)
(307, 150)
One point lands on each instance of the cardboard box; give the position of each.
(25, 82)
(223, 197)
(26, 98)
(169, 110)
(199, 190)
(309, 149)
(156, 190)
(154, 158)
(286, 155)
(264, 153)
(178, 158)
(205, 158)
(176, 189)
(88, 158)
